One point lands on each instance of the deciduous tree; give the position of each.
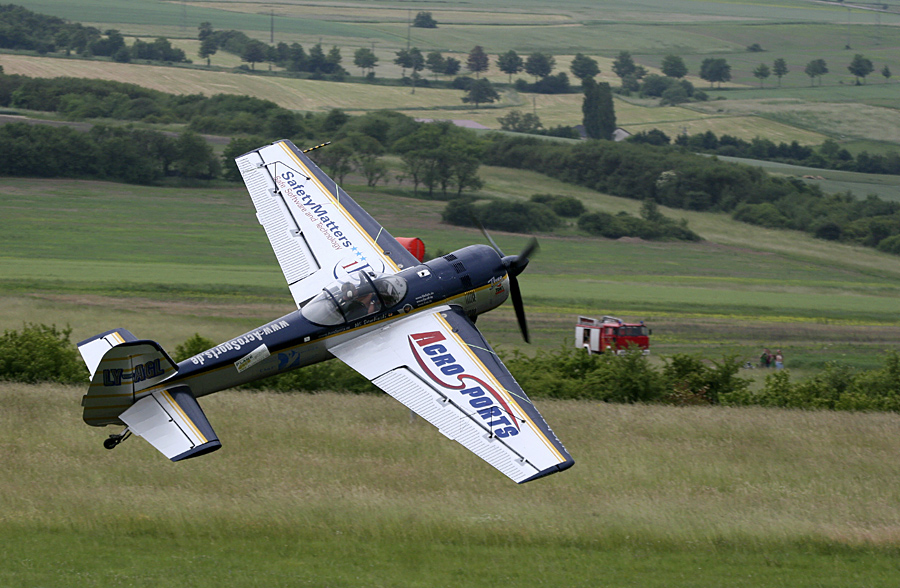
(816, 69)
(481, 92)
(540, 65)
(761, 73)
(365, 59)
(860, 67)
(779, 68)
(510, 63)
(673, 66)
(715, 70)
(584, 67)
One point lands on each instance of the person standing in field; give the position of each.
(779, 359)
(765, 360)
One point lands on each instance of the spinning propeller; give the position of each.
(515, 265)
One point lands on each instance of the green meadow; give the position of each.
(169, 262)
(349, 491)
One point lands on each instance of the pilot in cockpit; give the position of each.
(354, 298)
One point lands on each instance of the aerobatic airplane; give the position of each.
(361, 297)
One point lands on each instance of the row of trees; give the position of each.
(828, 155)
(23, 29)
(78, 98)
(439, 158)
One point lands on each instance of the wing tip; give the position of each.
(207, 447)
(551, 470)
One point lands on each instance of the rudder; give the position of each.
(121, 366)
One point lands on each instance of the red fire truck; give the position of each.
(611, 334)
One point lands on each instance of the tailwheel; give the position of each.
(113, 440)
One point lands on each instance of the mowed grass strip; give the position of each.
(758, 497)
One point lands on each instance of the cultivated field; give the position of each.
(334, 490)
(795, 30)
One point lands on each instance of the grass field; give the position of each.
(332, 490)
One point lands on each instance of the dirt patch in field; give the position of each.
(177, 307)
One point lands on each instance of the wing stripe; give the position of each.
(187, 419)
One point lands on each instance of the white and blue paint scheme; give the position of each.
(362, 298)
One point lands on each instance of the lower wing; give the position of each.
(439, 365)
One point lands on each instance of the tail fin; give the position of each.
(121, 366)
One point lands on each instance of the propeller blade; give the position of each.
(530, 248)
(487, 236)
(518, 306)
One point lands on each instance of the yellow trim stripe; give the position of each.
(499, 386)
(171, 401)
(346, 213)
(129, 357)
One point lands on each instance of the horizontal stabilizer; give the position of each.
(172, 421)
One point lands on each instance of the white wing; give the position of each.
(171, 421)
(440, 366)
(317, 231)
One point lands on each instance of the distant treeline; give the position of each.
(25, 30)
(680, 179)
(79, 99)
(291, 57)
(444, 159)
(828, 155)
(109, 153)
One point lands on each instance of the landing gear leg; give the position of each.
(114, 439)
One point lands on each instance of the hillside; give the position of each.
(790, 108)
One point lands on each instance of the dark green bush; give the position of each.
(837, 387)
(502, 215)
(567, 206)
(40, 354)
(192, 346)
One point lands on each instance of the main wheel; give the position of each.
(110, 443)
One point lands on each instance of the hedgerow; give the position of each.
(44, 353)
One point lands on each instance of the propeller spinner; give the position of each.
(515, 265)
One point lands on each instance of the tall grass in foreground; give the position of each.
(341, 490)
(644, 475)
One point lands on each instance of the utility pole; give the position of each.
(272, 28)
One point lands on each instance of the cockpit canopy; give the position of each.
(355, 297)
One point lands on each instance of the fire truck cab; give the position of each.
(611, 334)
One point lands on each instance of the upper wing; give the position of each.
(440, 366)
(317, 231)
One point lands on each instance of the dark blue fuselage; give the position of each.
(473, 278)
